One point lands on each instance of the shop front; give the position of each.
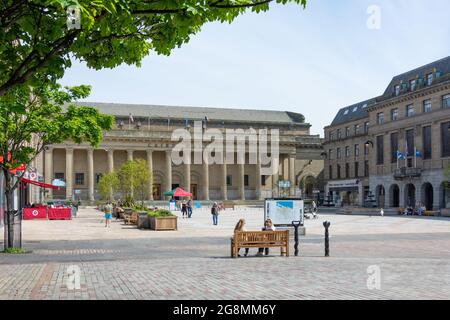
(345, 192)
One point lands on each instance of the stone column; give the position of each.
(241, 173)
(69, 173)
(130, 155)
(292, 174)
(285, 168)
(150, 169)
(49, 170)
(168, 185)
(223, 188)
(90, 167)
(205, 182)
(258, 179)
(110, 160)
(187, 171)
(275, 177)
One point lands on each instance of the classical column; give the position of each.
(90, 163)
(168, 185)
(48, 158)
(110, 160)
(130, 155)
(292, 174)
(285, 167)
(258, 181)
(205, 183)
(223, 188)
(275, 176)
(241, 185)
(187, 171)
(150, 169)
(69, 173)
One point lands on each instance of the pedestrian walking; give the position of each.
(215, 213)
(189, 208)
(184, 210)
(108, 214)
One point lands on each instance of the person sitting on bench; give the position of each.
(240, 226)
(268, 226)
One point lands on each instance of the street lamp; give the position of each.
(324, 155)
(369, 143)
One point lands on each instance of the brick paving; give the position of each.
(122, 262)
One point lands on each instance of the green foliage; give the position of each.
(14, 250)
(134, 179)
(36, 45)
(447, 176)
(108, 185)
(160, 213)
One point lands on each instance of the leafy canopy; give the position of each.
(36, 45)
(135, 179)
(108, 185)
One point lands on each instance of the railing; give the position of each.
(403, 173)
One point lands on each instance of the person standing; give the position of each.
(184, 209)
(189, 208)
(215, 213)
(108, 214)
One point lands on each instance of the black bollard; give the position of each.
(327, 224)
(296, 224)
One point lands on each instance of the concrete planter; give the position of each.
(143, 221)
(164, 223)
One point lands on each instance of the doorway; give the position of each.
(156, 191)
(194, 191)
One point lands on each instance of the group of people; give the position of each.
(268, 226)
(418, 210)
(186, 208)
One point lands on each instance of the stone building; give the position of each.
(144, 131)
(407, 141)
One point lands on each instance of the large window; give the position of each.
(380, 150)
(356, 150)
(338, 171)
(412, 85)
(366, 127)
(394, 114)
(347, 132)
(339, 136)
(394, 146)
(347, 152)
(98, 176)
(330, 154)
(410, 142)
(445, 132)
(338, 153)
(246, 180)
(330, 172)
(59, 176)
(356, 129)
(410, 110)
(79, 179)
(380, 118)
(331, 135)
(229, 180)
(347, 170)
(446, 101)
(427, 106)
(427, 148)
(356, 169)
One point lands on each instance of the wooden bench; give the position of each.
(227, 206)
(260, 239)
(131, 218)
(431, 213)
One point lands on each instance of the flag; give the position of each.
(400, 156)
(418, 154)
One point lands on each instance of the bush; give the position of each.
(16, 251)
(160, 213)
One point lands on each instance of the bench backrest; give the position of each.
(262, 236)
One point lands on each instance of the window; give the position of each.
(356, 169)
(366, 149)
(347, 132)
(429, 79)
(412, 85)
(394, 147)
(330, 154)
(394, 114)
(263, 180)
(445, 140)
(380, 150)
(338, 171)
(410, 142)
(347, 170)
(246, 180)
(98, 176)
(339, 133)
(397, 90)
(346, 112)
(427, 106)
(366, 127)
(330, 172)
(355, 109)
(229, 180)
(59, 176)
(446, 101)
(356, 150)
(357, 127)
(331, 135)
(366, 168)
(338, 153)
(380, 118)
(410, 110)
(79, 179)
(347, 152)
(426, 136)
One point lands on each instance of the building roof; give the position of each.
(196, 113)
(351, 113)
(442, 66)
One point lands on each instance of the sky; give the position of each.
(313, 61)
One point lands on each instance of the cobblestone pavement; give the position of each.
(122, 262)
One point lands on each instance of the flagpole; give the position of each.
(398, 157)
(415, 157)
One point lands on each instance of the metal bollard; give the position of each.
(327, 224)
(296, 224)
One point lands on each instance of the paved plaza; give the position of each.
(122, 262)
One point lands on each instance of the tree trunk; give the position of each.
(9, 195)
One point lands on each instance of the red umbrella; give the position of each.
(179, 192)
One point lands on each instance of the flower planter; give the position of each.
(163, 223)
(143, 221)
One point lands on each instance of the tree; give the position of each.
(33, 118)
(108, 185)
(37, 45)
(134, 179)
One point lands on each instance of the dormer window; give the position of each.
(354, 109)
(346, 112)
(412, 84)
(397, 90)
(429, 79)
